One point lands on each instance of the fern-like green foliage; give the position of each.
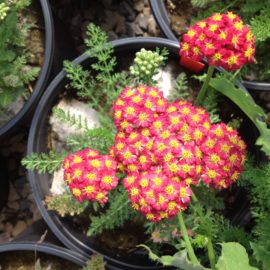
(256, 179)
(99, 90)
(117, 213)
(99, 139)
(80, 81)
(13, 72)
(70, 119)
(210, 103)
(65, 204)
(260, 25)
(180, 90)
(111, 82)
(44, 162)
(201, 3)
(96, 262)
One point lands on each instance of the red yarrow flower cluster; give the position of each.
(165, 147)
(156, 195)
(223, 39)
(223, 156)
(162, 138)
(89, 175)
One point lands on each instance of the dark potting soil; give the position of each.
(27, 260)
(118, 18)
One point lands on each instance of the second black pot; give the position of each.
(160, 13)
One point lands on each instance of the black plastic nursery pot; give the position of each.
(69, 235)
(35, 249)
(4, 191)
(161, 15)
(42, 81)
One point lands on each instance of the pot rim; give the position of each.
(46, 248)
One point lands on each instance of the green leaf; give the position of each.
(178, 260)
(261, 255)
(233, 257)
(245, 102)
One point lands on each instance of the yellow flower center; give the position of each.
(127, 155)
(144, 183)
(215, 158)
(186, 154)
(185, 47)
(124, 124)
(142, 116)
(211, 174)
(130, 110)
(202, 24)
(76, 192)
(213, 27)
(136, 99)
(91, 176)
(185, 111)
(77, 173)
(158, 124)
(89, 189)
(173, 168)
(197, 134)
(217, 17)
(239, 25)
(183, 192)
(186, 168)
(191, 33)
(117, 114)
(174, 120)
(150, 216)
(216, 56)
(142, 159)
(107, 179)
(157, 181)
(172, 206)
(148, 104)
(95, 163)
(134, 191)
(169, 189)
(77, 159)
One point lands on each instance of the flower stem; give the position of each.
(191, 253)
(210, 249)
(203, 90)
(211, 254)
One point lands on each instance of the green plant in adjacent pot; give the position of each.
(27, 45)
(15, 71)
(160, 156)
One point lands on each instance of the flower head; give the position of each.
(89, 175)
(223, 156)
(156, 195)
(223, 39)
